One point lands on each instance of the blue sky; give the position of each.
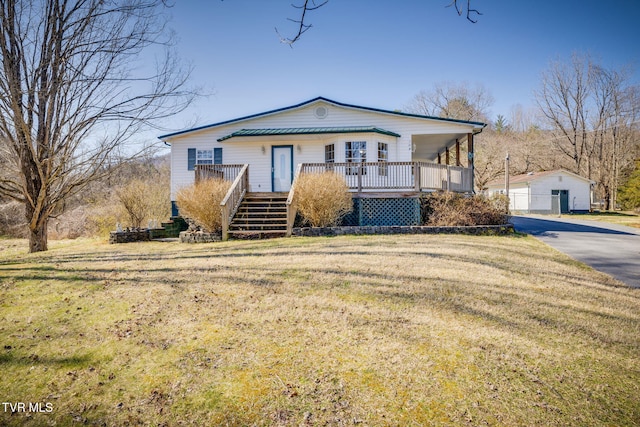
(380, 53)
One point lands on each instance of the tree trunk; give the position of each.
(38, 241)
(607, 198)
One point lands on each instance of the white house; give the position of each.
(557, 191)
(382, 154)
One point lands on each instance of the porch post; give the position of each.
(458, 162)
(225, 223)
(470, 157)
(446, 157)
(439, 159)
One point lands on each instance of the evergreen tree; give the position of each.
(500, 124)
(629, 193)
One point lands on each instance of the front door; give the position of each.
(281, 167)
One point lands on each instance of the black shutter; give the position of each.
(217, 156)
(191, 159)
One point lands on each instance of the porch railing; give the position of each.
(226, 172)
(231, 202)
(403, 176)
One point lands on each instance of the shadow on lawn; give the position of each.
(8, 357)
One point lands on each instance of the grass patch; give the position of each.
(371, 330)
(630, 219)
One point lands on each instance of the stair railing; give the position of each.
(231, 202)
(291, 207)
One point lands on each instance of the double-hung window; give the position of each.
(204, 157)
(383, 157)
(355, 152)
(329, 155)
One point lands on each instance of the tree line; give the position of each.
(585, 120)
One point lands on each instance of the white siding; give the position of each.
(249, 149)
(535, 196)
(579, 191)
(518, 198)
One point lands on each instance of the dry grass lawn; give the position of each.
(630, 219)
(371, 330)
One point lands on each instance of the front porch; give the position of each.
(383, 180)
(388, 177)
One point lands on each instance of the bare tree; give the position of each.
(488, 162)
(453, 101)
(75, 92)
(564, 100)
(615, 145)
(593, 114)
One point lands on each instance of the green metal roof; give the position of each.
(308, 131)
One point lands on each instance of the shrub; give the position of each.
(133, 200)
(144, 200)
(200, 203)
(12, 220)
(322, 198)
(453, 209)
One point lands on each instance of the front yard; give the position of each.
(370, 330)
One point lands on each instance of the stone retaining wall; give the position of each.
(129, 236)
(199, 237)
(496, 230)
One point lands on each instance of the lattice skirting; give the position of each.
(383, 212)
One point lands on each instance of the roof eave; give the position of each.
(476, 125)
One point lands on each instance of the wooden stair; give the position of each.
(260, 215)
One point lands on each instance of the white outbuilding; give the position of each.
(549, 192)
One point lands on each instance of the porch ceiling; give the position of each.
(428, 146)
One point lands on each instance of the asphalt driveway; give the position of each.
(610, 248)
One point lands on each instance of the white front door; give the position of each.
(281, 167)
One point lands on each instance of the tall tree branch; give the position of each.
(310, 5)
(460, 10)
(302, 26)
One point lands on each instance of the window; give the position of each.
(203, 157)
(355, 152)
(329, 155)
(383, 157)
